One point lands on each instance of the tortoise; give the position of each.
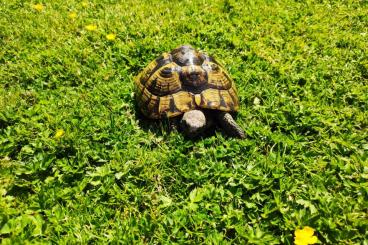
(191, 83)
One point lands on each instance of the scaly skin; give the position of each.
(195, 122)
(228, 123)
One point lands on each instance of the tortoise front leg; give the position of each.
(229, 125)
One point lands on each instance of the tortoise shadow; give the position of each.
(164, 127)
(158, 127)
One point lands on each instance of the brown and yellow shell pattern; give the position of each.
(183, 80)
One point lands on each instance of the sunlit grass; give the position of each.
(78, 165)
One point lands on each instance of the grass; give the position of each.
(112, 177)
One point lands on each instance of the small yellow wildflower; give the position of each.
(111, 37)
(72, 15)
(91, 27)
(59, 133)
(39, 7)
(305, 236)
(84, 3)
(256, 101)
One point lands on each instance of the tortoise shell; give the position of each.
(183, 80)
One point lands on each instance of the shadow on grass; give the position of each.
(164, 127)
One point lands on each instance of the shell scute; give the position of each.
(164, 81)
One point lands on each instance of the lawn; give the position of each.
(79, 165)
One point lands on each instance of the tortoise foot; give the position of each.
(229, 125)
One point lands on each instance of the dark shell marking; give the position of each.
(183, 80)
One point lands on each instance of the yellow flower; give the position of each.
(72, 15)
(39, 7)
(84, 3)
(91, 27)
(256, 101)
(111, 36)
(59, 133)
(305, 236)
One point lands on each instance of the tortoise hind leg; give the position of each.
(229, 125)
